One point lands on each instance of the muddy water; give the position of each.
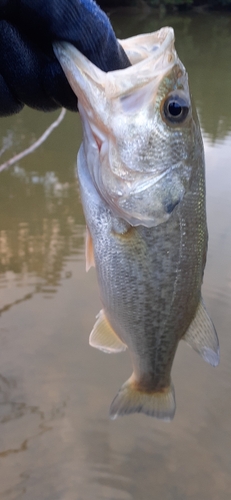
(56, 441)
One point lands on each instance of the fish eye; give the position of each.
(176, 107)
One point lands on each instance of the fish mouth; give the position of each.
(151, 55)
(140, 47)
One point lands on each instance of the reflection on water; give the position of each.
(56, 441)
(41, 224)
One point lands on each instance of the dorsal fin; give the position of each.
(103, 336)
(202, 336)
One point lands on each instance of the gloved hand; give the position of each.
(29, 71)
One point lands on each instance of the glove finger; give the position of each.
(79, 22)
(21, 65)
(8, 103)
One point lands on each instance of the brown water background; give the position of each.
(56, 441)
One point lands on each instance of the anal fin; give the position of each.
(202, 336)
(103, 336)
(89, 251)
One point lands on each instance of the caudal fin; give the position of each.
(130, 399)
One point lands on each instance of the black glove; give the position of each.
(29, 71)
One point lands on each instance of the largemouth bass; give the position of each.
(142, 181)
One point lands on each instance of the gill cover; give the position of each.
(116, 111)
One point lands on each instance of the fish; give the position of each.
(141, 172)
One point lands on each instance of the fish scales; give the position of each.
(142, 182)
(141, 275)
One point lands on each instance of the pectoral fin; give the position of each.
(89, 251)
(202, 336)
(103, 336)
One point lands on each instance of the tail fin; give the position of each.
(132, 400)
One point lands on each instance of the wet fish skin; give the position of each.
(149, 285)
(149, 264)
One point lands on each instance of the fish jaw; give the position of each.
(127, 141)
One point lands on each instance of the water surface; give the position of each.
(56, 441)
